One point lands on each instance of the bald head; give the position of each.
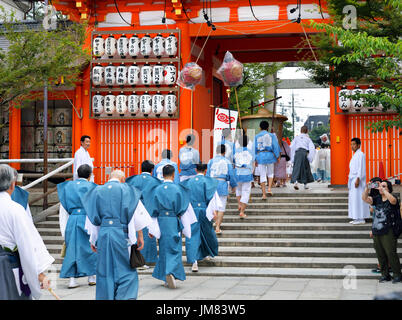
(118, 174)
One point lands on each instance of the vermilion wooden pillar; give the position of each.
(340, 144)
(15, 136)
(76, 120)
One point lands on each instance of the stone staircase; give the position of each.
(303, 234)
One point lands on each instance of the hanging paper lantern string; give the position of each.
(231, 71)
(190, 76)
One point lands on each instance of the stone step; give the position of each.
(295, 226)
(342, 234)
(259, 206)
(291, 193)
(275, 199)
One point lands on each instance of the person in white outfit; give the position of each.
(358, 209)
(82, 156)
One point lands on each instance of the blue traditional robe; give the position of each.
(243, 160)
(158, 170)
(203, 241)
(170, 202)
(112, 210)
(80, 260)
(266, 147)
(188, 157)
(229, 148)
(221, 169)
(146, 183)
(20, 196)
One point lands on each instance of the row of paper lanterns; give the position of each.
(134, 104)
(346, 103)
(121, 75)
(135, 46)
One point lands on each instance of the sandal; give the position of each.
(242, 216)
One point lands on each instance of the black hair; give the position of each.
(357, 140)
(201, 167)
(85, 137)
(244, 141)
(147, 166)
(220, 149)
(166, 154)
(264, 125)
(168, 170)
(389, 185)
(84, 171)
(190, 139)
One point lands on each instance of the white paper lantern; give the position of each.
(133, 75)
(110, 46)
(98, 104)
(134, 46)
(171, 45)
(357, 104)
(157, 74)
(146, 45)
(110, 75)
(146, 74)
(170, 74)
(97, 75)
(146, 104)
(344, 101)
(121, 104)
(170, 103)
(121, 75)
(157, 104)
(133, 104)
(370, 90)
(98, 46)
(110, 104)
(158, 45)
(122, 46)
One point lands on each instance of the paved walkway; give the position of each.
(239, 288)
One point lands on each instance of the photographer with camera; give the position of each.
(384, 217)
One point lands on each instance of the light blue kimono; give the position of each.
(266, 147)
(170, 202)
(203, 241)
(80, 260)
(221, 169)
(158, 173)
(20, 196)
(229, 148)
(111, 207)
(145, 183)
(243, 160)
(188, 157)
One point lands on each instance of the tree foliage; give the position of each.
(35, 57)
(317, 132)
(371, 53)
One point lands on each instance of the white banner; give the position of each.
(222, 122)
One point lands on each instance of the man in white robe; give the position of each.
(23, 255)
(358, 209)
(82, 156)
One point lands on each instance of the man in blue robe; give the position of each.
(171, 203)
(158, 170)
(115, 214)
(145, 182)
(221, 169)
(267, 152)
(229, 144)
(21, 196)
(188, 157)
(203, 242)
(243, 160)
(79, 260)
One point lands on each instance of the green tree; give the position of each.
(317, 132)
(287, 130)
(370, 53)
(254, 85)
(35, 57)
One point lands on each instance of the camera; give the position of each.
(374, 185)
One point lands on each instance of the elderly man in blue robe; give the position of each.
(174, 213)
(203, 243)
(188, 157)
(79, 260)
(267, 152)
(145, 182)
(115, 214)
(166, 159)
(221, 169)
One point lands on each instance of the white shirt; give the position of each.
(81, 157)
(357, 166)
(302, 141)
(18, 230)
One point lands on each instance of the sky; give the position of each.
(307, 101)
